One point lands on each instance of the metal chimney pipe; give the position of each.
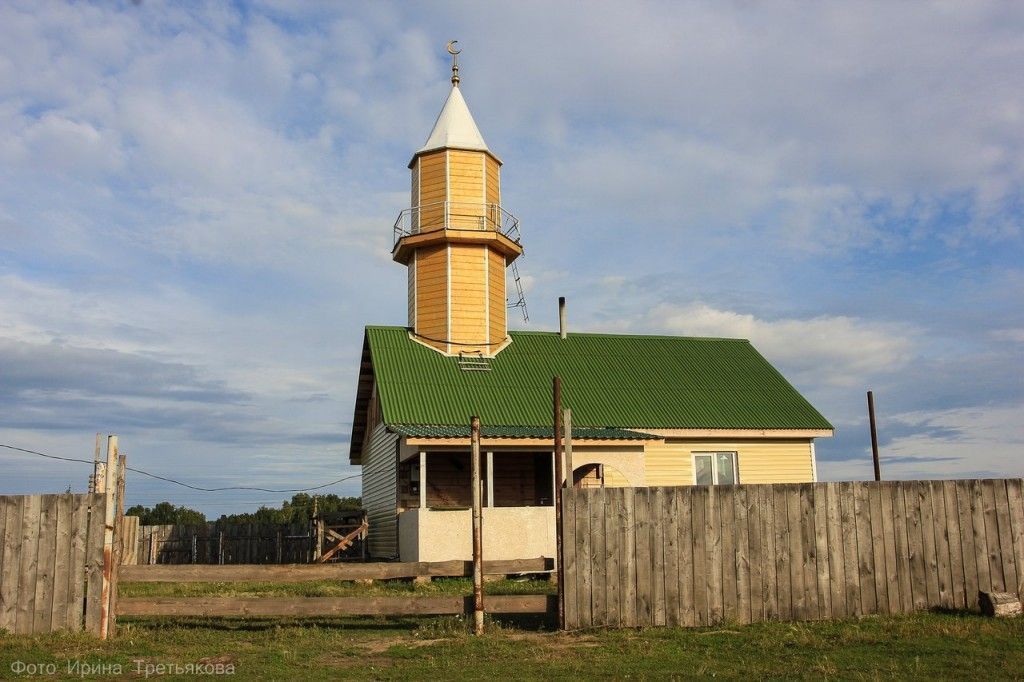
(563, 328)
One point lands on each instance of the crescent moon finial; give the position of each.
(455, 61)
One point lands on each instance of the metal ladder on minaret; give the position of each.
(521, 300)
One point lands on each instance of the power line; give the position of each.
(188, 485)
(43, 454)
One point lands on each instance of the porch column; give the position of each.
(490, 479)
(555, 483)
(423, 480)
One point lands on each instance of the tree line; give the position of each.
(299, 508)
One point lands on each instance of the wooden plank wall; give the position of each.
(701, 555)
(51, 562)
(241, 543)
(130, 541)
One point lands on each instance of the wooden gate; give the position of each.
(701, 555)
(51, 563)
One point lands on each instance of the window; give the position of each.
(715, 468)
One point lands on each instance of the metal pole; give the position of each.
(563, 326)
(478, 540)
(874, 435)
(559, 475)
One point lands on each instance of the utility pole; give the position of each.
(874, 435)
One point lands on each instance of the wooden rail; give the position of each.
(702, 555)
(293, 573)
(330, 606)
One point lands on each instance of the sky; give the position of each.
(196, 204)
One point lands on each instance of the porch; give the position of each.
(517, 490)
(435, 499)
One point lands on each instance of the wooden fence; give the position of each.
(51, 563)
(704, 555)
(210, 543)
(240, 543)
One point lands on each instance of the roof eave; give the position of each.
(364, 388)
(442, 148)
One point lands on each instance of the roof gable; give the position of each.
(622, 381)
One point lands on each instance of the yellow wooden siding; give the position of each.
(468, 296)
(613, 478)
(493, 181)
(759, 461)
(432, 292)
(465, 189)
(433, 189)
(496, 297)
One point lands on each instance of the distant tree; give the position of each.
(165, 513)
(295, 510)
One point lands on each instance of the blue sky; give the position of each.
(196, 201)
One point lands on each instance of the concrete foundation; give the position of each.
(446, 534)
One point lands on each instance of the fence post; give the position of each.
(99, 470)
(280, 548)
(559, 474)
(118, 546)
(478, 545)
(567, 442)
(220, 546)
(108, 535)
(318, 540)
(194, 547)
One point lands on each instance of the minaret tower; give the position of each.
(456, 239)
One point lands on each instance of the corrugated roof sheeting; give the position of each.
(456, 431)
(608, 381)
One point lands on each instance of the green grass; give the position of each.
(335, 588)
(938, 646)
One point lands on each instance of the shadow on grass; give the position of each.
(961, 613)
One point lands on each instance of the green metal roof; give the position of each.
(459, 431)
(609, 380)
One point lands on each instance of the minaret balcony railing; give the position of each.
(456, 215)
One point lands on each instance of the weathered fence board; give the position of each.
(331, 606)
(703, 555)
(236, 543)
(178, 573)
(46, 583)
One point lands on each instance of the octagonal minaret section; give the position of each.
(456, 239)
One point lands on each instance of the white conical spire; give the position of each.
(455, 127)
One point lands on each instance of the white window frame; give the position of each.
(714, 465)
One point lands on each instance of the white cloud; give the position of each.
(974, 442)
(1012, 335)
(833, 351)
(213, 188)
